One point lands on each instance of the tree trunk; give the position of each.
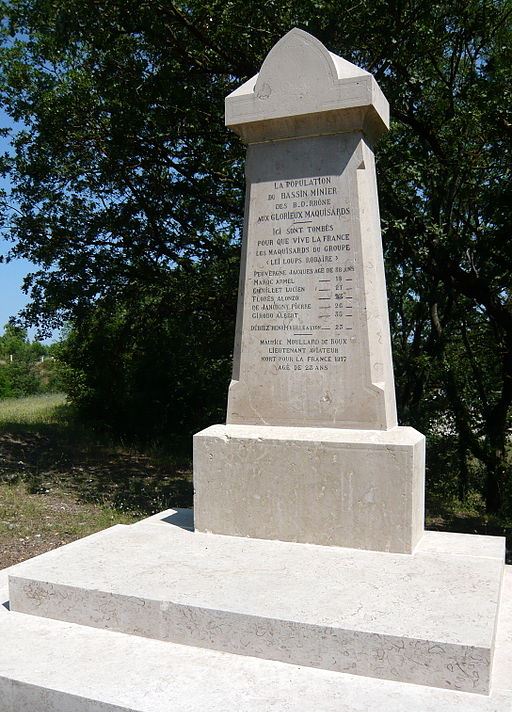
(463, 475)
(496, 470)
(493, 496)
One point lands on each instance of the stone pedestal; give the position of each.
(355, 488)
(52, 665)
(426, 619)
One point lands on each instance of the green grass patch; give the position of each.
(62, 478)
(33, 410)
(23, 514)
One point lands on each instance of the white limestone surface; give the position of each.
(502, 667)
(51, 666)
(73, 546)
(181, 517)
(330, 486)
(458, 544)
(312, 345)
(427, 619)
(431, 542)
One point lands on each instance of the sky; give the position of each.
(12, 298)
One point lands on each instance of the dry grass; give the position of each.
(32, 410)
(31, 524)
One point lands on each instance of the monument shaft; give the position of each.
(313, 337)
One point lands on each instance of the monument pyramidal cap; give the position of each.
(305, 86)
(303, 580)
(311, 451)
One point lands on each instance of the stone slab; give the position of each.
(51, 666)
(74, 546)
(431, 542)
(329, 486)
(458, 544)
(502, 667)
(427, 619)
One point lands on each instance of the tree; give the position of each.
(125, 173)
(159, 364)
(450, 227)
(19, 375)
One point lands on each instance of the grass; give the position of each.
(34, 410)
(468, 516)
(31, 524)
(61, 478)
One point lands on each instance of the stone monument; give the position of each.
(318, 589)
(311, 451)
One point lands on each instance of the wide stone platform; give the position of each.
(427, 618)
(63, 667)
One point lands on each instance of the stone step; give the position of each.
(427, 618)
(53, 666)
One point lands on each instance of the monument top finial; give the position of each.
(301, 78)
(299, 58)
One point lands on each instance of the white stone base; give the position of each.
(354, 488)
(428, 618)
(51, 666)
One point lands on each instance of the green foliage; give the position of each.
(128, 193)
(160, 363)
(24, 370)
